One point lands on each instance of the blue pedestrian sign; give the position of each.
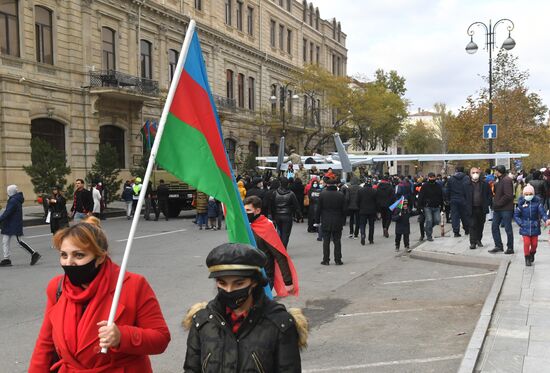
(489, 131)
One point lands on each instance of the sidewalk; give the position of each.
(518, 335)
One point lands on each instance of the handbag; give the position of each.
(48, 217)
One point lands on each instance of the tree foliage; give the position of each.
(520, 116)
(419, 138)
(442, 121)
(106, 170)
(48, 168)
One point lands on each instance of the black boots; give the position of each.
(528, 260)
(532, 257)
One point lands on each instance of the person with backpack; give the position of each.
(528, 215)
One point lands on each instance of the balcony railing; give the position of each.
(117, 79)
(225, 103)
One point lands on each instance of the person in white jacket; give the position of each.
(96, 196)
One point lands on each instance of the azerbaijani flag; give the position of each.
(397, 204)
(191, 147)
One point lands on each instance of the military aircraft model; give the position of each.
(342, 160)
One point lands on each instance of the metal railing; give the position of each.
(225, 103)
(117, 79)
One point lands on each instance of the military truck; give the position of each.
(180, 194)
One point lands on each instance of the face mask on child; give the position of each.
(529, 198)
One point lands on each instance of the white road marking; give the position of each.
(153, 235)
(384, 363)
(438, 279)
(401, 310)
(38, 235)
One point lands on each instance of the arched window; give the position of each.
(230, 148)
(253, 148)
(44, 38)
(146, 60)
(240, 90)
(273, 149)
(311, 15)
(273, 98)
(49, 130)
(229, 83)
(115, 137)
(304, 9)
(108, 46)
(173, 56)
(9, 28)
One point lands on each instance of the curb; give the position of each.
(456, 259)
(40, 221)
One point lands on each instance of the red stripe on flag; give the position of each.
(191, 105)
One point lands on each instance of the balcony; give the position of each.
(225, 103)
(119, 85)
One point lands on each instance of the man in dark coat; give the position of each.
(430, 201)
(83, 203)
(503, 207)
(12, 225)
(283, 207)
(162, 198)
(367, 203)
(479, 200)
(297, 187)
(457, 195)
(351, 191)
(384, 199)
(332, 214)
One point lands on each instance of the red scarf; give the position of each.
(264, 228)
(76, 319)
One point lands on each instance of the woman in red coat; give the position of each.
(74, 328)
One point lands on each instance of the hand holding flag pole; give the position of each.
(143, 192)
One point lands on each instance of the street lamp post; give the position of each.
(471, 48)
(284, 93)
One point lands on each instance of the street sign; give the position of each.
(489, 131)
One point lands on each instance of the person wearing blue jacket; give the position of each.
(12, 225)
(528, 214)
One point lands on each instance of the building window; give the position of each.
(317, 54)
(304, 50)
(311, 49)
(334, 28)
(108, 44)
(173, 56)
(250, 21)
(44, 38)
(318, 112)
(230, 148)
(198, 4)
(272, 30)
(253, 148)
(282, 99)
(304, 10)
(317, 19)
(228, 10)
(240, 90)
(274, 102)
(239, 15)
(9, 28)
(333, 64)
(305, 109)
(339, 32)
(399, 150)
(338, 66)
(281, 37)
(229, 83)
(251, 93)
(289, 5)
(281, 3)
(113, 136)
(146, 62)
(289, 101)
(50, 131)
(289, 41)
(273, 149)
(311, 15)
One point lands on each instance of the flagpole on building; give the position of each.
(165, 111)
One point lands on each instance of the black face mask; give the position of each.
(252, 217)
(83, 274)
(234, 299)
(431, 181)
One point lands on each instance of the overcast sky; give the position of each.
(424, 41)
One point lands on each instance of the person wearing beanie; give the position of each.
(528, 215)
(241, 329)
(12, 225)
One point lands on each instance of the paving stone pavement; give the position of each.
(518, 338)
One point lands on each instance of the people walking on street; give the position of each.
(313, 196)
(284, 205)
(96, 197)
(83, 203)
(163, 194)
(301, 173)
(298, 189)
(430, 201)
(367, 201)
(479, 199)
(241, 330)
(457, 196)
(77, 307)
(421, 217)
(57, 210)
(136, 189)
(11, 221)
(151, 204)
(528, 215)
(385, 196)
(503, 210)
(332, 214)
(202, 209)
(351, 192)
(401, 217)
(213, 213)
(127, 197)
(279, 268)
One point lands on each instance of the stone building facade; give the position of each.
(79, 73)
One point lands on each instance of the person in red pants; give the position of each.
(528, 215)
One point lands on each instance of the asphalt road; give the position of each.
(379, 312)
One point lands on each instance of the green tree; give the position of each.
(442, 122)
(392, 81)
(48, 168)
(106, 170)
(419, 138)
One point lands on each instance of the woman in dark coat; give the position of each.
(241, 330)
(313, 196)
(298, 189)
(58, 212)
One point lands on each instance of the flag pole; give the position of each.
(171, 93)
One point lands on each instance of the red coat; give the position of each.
(139, 319)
